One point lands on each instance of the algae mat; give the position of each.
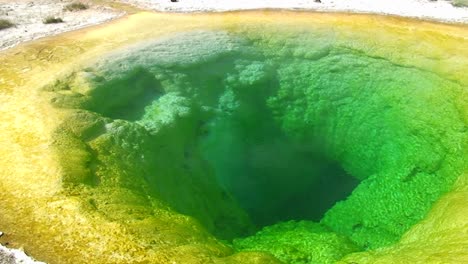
(246, 137)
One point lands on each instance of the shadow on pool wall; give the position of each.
(242, 130)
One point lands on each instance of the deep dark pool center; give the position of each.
(251, 128)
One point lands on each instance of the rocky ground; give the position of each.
(27, 17)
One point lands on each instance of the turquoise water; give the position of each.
(245, 130)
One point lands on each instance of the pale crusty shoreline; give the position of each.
(27, 15)
(436, 10)
(13, 256)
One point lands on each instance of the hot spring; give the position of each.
(251, 137)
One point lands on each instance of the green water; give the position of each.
(245, 132)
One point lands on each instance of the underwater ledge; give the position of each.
(128, 155)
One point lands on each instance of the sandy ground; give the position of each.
(28, 18)
(27, 15)
(440, 10)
